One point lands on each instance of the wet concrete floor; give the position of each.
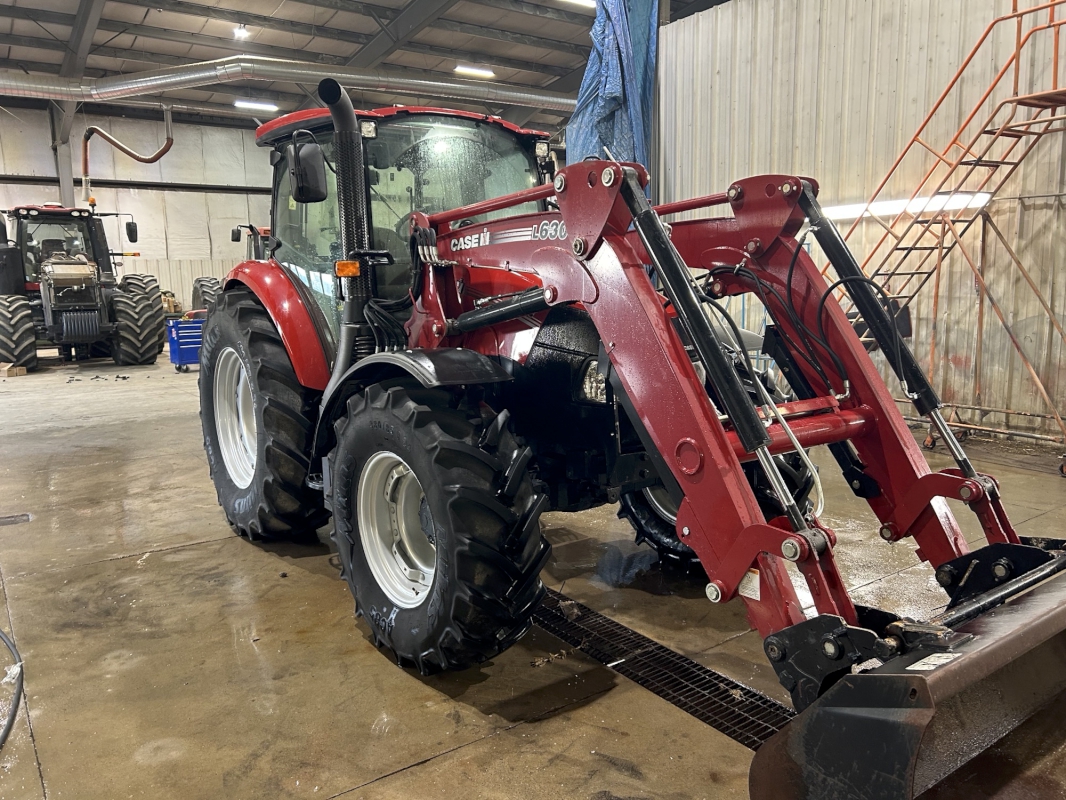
(166, 658)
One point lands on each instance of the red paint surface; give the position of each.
(275, 290)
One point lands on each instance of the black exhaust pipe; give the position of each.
(356, 336)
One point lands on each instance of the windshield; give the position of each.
(55, 237)
(423, 162)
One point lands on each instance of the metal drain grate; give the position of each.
(742, 714)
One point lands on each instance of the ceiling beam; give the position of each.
(532, 9)
(246, 18)
(415, 16)
(82, 31)
(512, 38)
(468, 57)
(203, 40)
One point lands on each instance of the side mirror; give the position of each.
(307, 172)
(131, 232)
(235, 234)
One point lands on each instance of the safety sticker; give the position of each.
(930, 663)
(749, 585)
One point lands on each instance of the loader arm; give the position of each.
(596, 251)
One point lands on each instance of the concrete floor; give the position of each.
(165, 657)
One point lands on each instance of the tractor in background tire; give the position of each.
(205, 292)
(58, 288)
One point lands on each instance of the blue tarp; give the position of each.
(614, 104)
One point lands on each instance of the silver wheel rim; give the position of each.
(661, 501)
(235, 417)
(400, 555)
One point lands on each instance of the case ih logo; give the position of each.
(471, 240)
(556, 229)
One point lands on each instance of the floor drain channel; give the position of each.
(742, 714)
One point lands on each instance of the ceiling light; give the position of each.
(919, 205)
(475, 72)
(241, 32)
(583, 3)
(255, 105)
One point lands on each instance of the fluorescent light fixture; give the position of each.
(475, 72)
(583, 3)
(889, 209)
(255, 105)
(241, 32)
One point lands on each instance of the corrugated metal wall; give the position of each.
(834, 89)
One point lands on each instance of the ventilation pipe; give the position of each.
(107, 137)
(246, 67)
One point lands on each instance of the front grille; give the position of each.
(741, 713)
(81, 326)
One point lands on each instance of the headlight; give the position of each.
(593, 384)
(368, 129)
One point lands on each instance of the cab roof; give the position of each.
(268, 134)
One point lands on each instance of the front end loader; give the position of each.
(445, 337)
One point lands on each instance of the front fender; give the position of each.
(292, 312)
(439, 367)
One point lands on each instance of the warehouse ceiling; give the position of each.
(541, 44)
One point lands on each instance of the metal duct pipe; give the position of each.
(246, 67)
(92, 130)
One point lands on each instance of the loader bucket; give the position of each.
(894, 732)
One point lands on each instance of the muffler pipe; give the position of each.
(356, 336)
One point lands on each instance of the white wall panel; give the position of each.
(834, 89)
(22, 132)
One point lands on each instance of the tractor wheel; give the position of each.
(437, 525)
(139, 326)
(149, 285)
(256, 419)
(653, 514)
(205, 292)
(18, 339)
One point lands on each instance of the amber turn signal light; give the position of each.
(348, 269)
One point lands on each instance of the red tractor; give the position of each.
(444, 340)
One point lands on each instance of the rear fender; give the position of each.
(431, 368)
(302, 326)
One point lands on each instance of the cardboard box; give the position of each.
(9, 370)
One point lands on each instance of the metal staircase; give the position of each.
(966, 172)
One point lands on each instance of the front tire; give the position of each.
(256, 420)
(147, 285)
(18, 339)
(437, 526)
(139, 326)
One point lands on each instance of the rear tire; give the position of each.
(18, 339)
(139, 327)
(205, 292)
(256, 419)
(461, 579)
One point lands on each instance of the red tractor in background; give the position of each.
(444, 340)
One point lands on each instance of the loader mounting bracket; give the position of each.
(975, 573)
(811, 656)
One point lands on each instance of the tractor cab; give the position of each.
(416, 160)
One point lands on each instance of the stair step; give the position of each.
(940, 220)
(1051, 99)
(917, 247)
(1008, 133)
(987, 162)
(907, 274)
